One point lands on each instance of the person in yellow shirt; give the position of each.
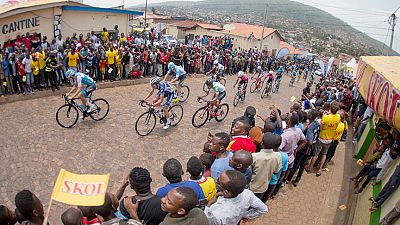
(195, 169)
(122, 39)
(41, 56)
(118, 60)
(36, 70)
(336, 139)
(110, 54)
(73, 60)
(329, 124)
(105, 35)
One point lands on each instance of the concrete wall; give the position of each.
(271, 43)
(172, 30)
(84, 22)
(44, 19)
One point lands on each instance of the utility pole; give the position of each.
(264, 22)
(145, 24)
(392, 22)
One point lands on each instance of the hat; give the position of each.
(250, 111)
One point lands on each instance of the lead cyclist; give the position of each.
(180, 76)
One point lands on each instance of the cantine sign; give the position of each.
(20, 25)
(379, 93)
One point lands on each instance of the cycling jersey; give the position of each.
(218, 87)
(167, 91)
(81, 78)
(260, 73)
(270, 77)
(220, 68)
(243, 80)
(180, 73)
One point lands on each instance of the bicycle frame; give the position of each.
(209, 108)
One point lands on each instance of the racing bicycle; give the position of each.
(267, 89)
(146, 122)
(276, 85)
(185, 92)
(292, 79)
(67, 115)
(209, 112)
(257, 84)
(240, 95)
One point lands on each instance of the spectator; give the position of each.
(72, 216)
(172, 171)
(265, 163)
(218, 144)
(241, 161)
(195, 169)
(7, 217)
(240, 139)
(234, 203)
(149, 209)
(180, 204)
(30, 207)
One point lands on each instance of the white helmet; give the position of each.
(258, 67)
(154, 80)
(271, 72)
(240, 73)
(215, 62)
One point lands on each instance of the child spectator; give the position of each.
(30, 207)
(7, 217)
(207, 160)
(241, 161)
(234, 202)
(72, 216)
(219, 143)
(195, 169)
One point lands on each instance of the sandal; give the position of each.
(373, 209)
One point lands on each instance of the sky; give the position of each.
(368, 16)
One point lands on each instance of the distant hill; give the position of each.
(299, 23)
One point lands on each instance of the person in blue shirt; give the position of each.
(218, 144)
(172, 171)
(80, 91)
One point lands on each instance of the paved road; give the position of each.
(34, 148)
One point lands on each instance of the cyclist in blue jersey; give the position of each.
(279, 73)
(179, 75)
(219, 89)
(260, 72)
(165, 91)
(79, 90)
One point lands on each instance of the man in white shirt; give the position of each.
(233, 203)
(367, 115)
(28, 73)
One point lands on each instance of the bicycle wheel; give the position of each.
(185, 92)
(101, 111)
(200, 117)
(264, 92)
(253, 86)
(222, 112)
(274, 87)
(175, 114)
(145, 124)
(222, 80)
(67, 116)
(236, 99)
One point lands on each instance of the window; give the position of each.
(272, 36)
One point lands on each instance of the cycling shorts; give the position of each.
(88, 90)
(221, 96)
(181, 79)
(270, 79)
(168, 96)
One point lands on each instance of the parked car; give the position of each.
(168, 40)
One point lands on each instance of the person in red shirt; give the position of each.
(240, 139)
(27, 41)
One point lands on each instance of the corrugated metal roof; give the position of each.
(242, 29)
(21, 4)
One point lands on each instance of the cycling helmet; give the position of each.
(209, 82)
(69, 73)
(240, 73)
(154, 80)
(258, 67)
(171, 65)
(215, 62)
(271, 72)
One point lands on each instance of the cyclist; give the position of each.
(78, 90)
(164, 91)
(217, 70)
(270, 76)
(243, 80)
(180, 76)
(219, 89)
(279, 73)
(293, 75)
(260, 72)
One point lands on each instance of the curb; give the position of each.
(63, 89)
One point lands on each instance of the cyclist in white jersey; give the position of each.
(217, 70)
(79, 90)
(219, 89)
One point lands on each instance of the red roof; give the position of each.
(192, 24)
(242, 29)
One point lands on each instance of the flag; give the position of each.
(282, 53)
(80, 189)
